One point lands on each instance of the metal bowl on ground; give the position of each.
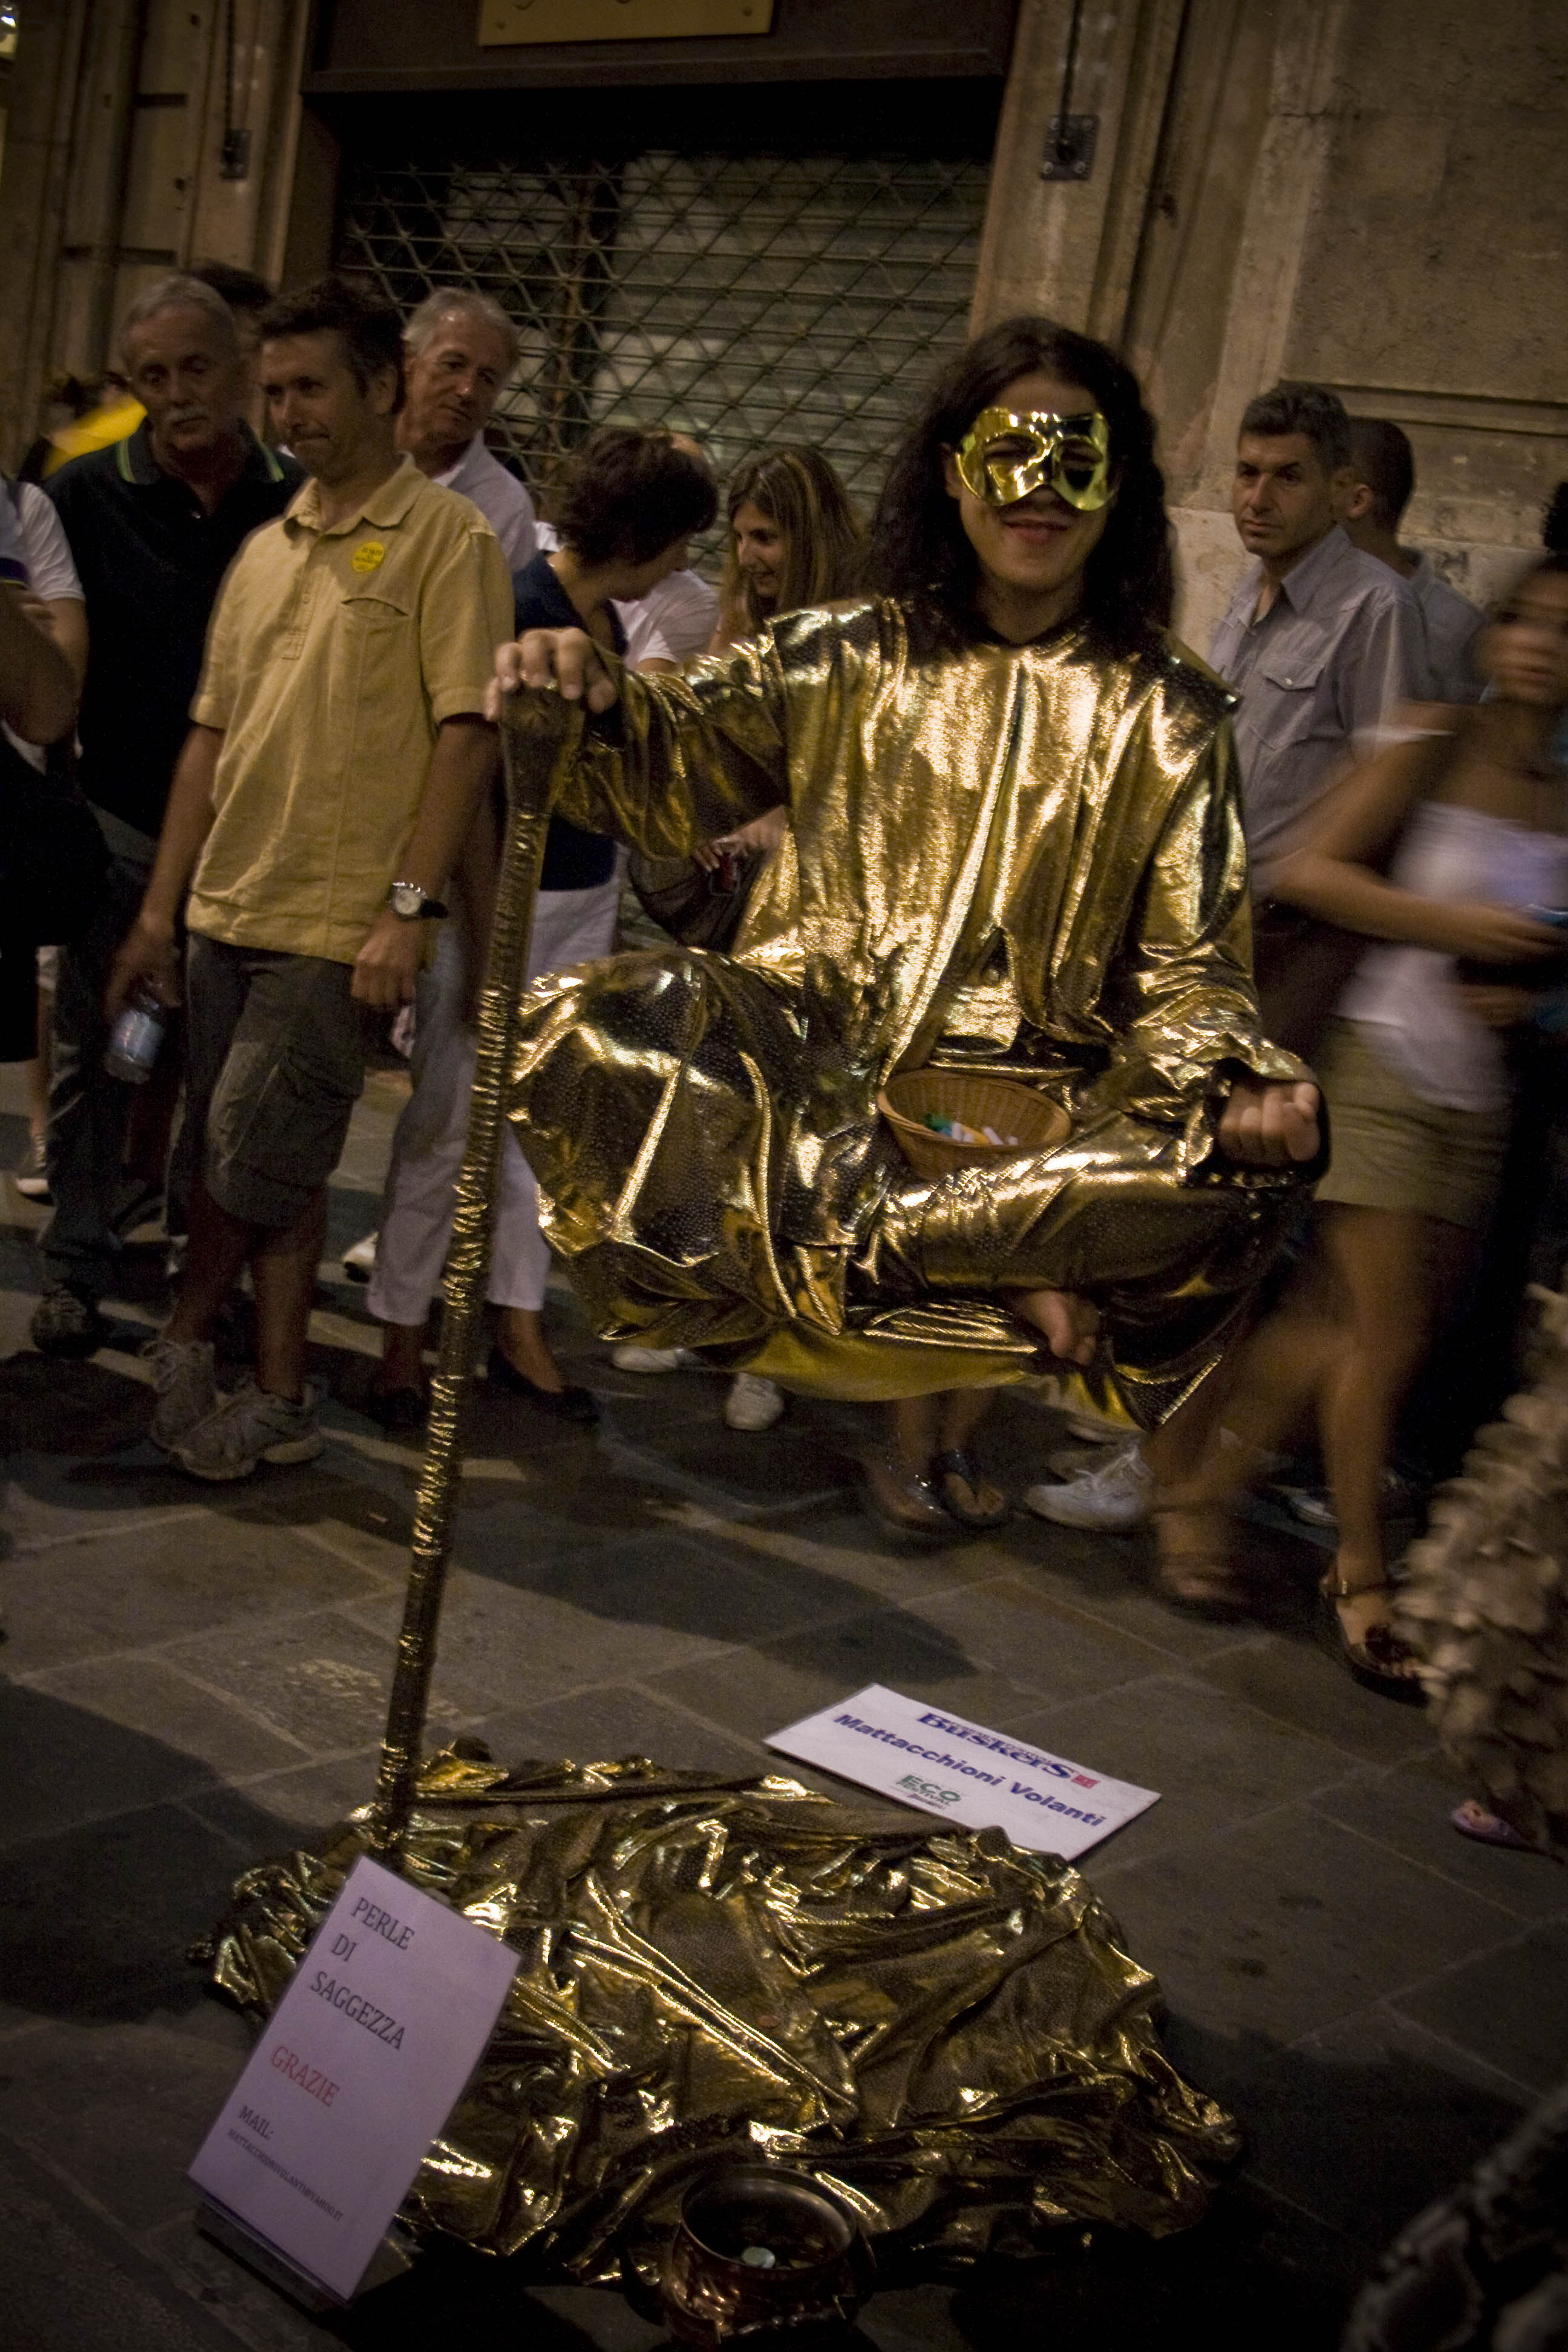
(758, 2250)
(1026, 1119)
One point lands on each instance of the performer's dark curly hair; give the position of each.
(917, 547)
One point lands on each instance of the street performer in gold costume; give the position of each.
(1013, 848)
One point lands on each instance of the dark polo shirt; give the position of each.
(573, 860)
(152, 560)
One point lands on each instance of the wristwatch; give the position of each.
(409, 902)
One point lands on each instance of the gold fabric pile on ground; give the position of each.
(939, 2026)
(1026, 860)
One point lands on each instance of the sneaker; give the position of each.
(1402, 1497)
(1118, 1496)
(249, 1427)
(1312, 1505)
(32, 1178)
(1072, 1461)
(1089, 1430)
(654, 1359)
(66, 1322)
(184, 1385)
(358, 1259)
(752, 1403)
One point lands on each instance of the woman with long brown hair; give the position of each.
(795, 542)
(1448, 852)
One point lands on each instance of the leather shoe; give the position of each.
(575, 1404)
(397, 1410)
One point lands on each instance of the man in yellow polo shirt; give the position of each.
(336, 759)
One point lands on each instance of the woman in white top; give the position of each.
(1451, 848)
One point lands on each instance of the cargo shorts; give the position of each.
(275, 1063)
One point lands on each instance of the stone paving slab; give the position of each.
(1286, 1922)
(195, 1679)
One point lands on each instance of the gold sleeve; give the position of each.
(683, 757)
(1180, 992)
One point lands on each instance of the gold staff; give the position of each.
(534, 734)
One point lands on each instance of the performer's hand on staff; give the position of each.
(1268, 1125)
(1068, 1323)
(552, 661)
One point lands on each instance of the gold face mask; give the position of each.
(1004, 456)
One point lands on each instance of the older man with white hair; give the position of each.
(460, 349)
(154, 523)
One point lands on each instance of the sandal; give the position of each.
(1197, 1576)
(1376, 1662)
(1473, 1821)
(959, 1484)
(903, 1502)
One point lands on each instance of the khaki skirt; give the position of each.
(1394, 1150)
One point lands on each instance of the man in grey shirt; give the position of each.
(1320, 640)
(1382, 467)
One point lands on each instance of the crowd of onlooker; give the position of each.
(258, 577)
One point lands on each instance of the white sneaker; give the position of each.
(1089, 1430)
(1117, 1495)
(752, 1403)
(32, 1178)
(632, 1358)
(184, 1385)
(359, 1258)
(249, 1427)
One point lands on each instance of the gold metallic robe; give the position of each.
(1022, 859)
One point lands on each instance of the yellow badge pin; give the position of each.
(366, 557)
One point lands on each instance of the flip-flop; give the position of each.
(1496, 1832)
(957, 1477)
(903, 1504)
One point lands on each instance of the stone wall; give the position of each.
(113, 169)
(1372, 193)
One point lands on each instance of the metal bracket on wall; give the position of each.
(1069, 148)
(1069, 143)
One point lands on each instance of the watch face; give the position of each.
(407, 900)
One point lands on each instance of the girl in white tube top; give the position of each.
(1448, 846)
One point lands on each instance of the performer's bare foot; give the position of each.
(1069, 1323)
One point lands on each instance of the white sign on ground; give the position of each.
(360, 2065)
(927, 1757)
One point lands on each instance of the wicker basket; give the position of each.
(1039, 1124)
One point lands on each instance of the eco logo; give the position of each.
(929, 1790)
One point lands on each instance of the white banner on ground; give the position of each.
(925, 1756)
(359, 2066)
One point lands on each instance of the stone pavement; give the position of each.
(195, 1679)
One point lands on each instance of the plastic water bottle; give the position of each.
(136, 1038)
